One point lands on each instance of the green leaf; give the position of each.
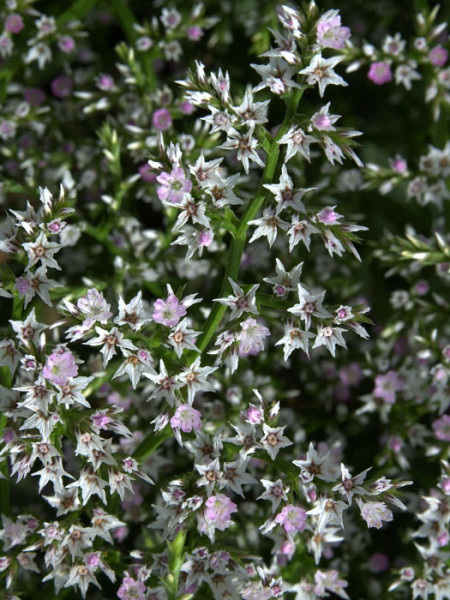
(78, 10)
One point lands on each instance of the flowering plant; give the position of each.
(224, 353)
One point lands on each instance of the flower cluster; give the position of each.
(191, 238)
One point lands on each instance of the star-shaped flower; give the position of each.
(320, 71)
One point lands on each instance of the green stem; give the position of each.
(253, 207)
(127, 20)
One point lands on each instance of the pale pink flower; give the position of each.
(131, 589)
(438, 56)
(387, 385)
(162, 119)
(292, 518)
(186, 418)
(380, 72)
(174, 186)
(374, 513)
(442, 428)
(168, 312)
(59, 367)
(13, 23)
(218, 511)
(330, 33)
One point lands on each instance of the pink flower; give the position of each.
(187, 108)
(218, 511)
(194, 33)
(186, 418)
(330, 33)
(398, 164)
(442, 428)
(59, 367)
(13, 23)
(321, 121)
(168, 312)
(380, 72)
(386, 386)
(131, 589)
(162, 119)
(378, 562)
(438, 56)
(23, 286)
(66, 44)
(292, 518)
(34, 96)
(174, 186)
(61, 86)
(329, 216)
(104, 82)
(146, 173)
(254, 414)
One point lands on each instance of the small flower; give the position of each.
(273, 440)
(442, 428)
(267, 226)
(241, 302)
(292, 518)
(294, 338)
(162, 119)
(61, 86)
(14, 23)
(131, 589)
(95, 307)
(186, 418)
(275, 491)
(297, 142)
(174, 186)
(245, 144)
(170, 18)
(284, 281)
(182, 338)
(330, 33)
(380, 72)
(438, 56)
(310, 305)
(374, 513)
(195, 378)
(387, 385)
(194, 33)
(320, 71)
(300, 230)
(330, 337)
(251, 337)
(218, 511)
(59, 367)
(168, 312)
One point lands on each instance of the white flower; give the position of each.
(284, 281)
(273, 440)
(320, 71)
(300, 230)
(285, 194)
(297, 141)
(267, 226)
(330, 337)
(241, 302)
(374, 513)
(309, 305)
(294, 338)
(245, 144)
